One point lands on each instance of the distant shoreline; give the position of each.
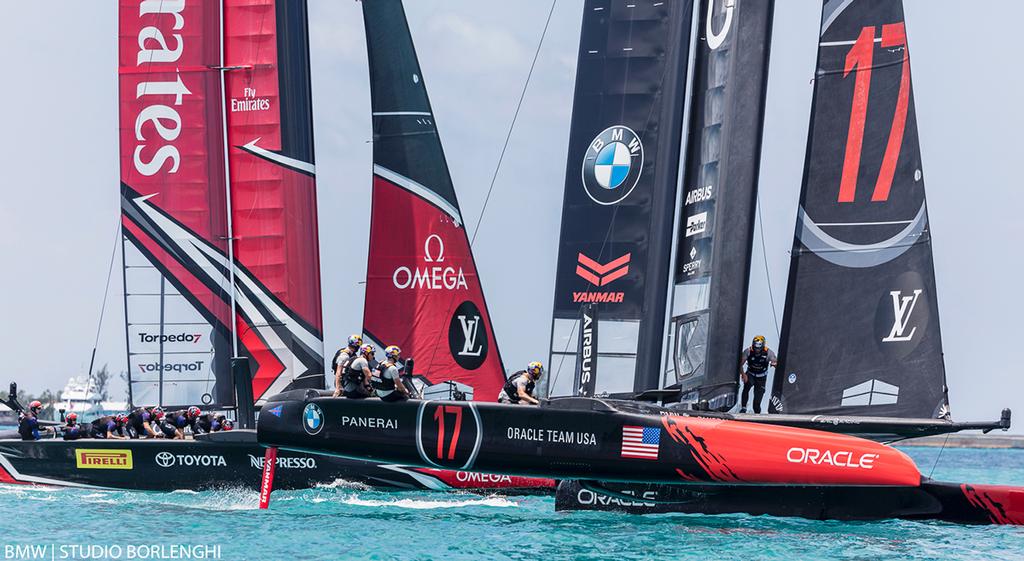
(989, 441)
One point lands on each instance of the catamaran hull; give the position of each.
(577, 438)
(168, 465)
(951, 502)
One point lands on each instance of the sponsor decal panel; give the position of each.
(467, 336)
(369, 422)
(834, 458)
(696, 224)
(275, 411)
(177, 367)
(588, 497)
(612, 165)
(284, 462)
(641, 442)
(249, 102)
(433, 273)
(599, 275)
(167, 460)
(193, 338)
(902, 309)
(109, 458)
(552, 436)
(312, 419)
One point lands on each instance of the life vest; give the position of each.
(340, 356)
(27, 424)
(379, 382)
(353, 376)
(757, 362)
(512, 390)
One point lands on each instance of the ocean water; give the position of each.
(345, 521)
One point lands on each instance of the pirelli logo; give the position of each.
(103, 459)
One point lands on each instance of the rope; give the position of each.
(106, 291)
(512, 126)
(939, 455)
(767, 274)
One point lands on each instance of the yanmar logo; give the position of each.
(103, 459)
(835, 458)
(599, 274)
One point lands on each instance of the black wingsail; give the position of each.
(861, 328)
(730, 79)
(620, 190)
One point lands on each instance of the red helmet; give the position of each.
(121, 418)
(35, 405)
(193, 412)
(71, 418)
(157, 413)
(227, 424)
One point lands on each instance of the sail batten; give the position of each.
(860, 332)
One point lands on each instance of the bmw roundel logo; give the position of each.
(612, 165)
(312, 418)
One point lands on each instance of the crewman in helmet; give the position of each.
(342, 358)
(110, 426)
(175, 422)
(71, 429)
(144, 422)
(28, 422)
(356, 382)
(757, 358)
(387, 379)
(519, 387)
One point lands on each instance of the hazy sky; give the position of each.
(58, 163)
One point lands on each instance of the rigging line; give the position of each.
(106, 291)
(939, 455)
(767, 274)
(512, 126)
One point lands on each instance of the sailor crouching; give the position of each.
(111, 426)
(387, 379)
(71, 429)
(519, 387)
(144, 422)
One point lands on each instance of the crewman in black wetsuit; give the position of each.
(204, 424)
(174, 423)
(110, 426)
(757, 358)
(341, 360)
(144, 423)
(71, 429)
(28, 422)
(519, 387)
(358, 374)
(387, 380)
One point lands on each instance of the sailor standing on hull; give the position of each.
(357, 374)
(341, 360)
(758, 357)
(519, 387)
(387, 380)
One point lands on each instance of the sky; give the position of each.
(59, 172)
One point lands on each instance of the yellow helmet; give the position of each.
(535, 368)
(758, 342)
(393, 352)
(367, 350)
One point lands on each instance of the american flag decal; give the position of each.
(640, 442)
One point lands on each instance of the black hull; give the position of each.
(950, 502)
(218, 461)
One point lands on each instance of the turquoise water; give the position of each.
(343, 521)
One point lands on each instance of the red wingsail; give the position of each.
(422, 289)
(191, 73)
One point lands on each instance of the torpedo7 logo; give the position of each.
(598, 274)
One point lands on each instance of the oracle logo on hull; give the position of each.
(155, 47)
(436, 276)
(835, 458)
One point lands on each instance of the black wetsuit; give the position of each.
(74, 432)
(28, 426)
(757, 374)
(205, 424)
(103, 425)
(174, 420)
(136, 420)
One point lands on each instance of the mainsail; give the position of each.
(712, 264)
(218, 199)
(422, 288)
(861, 328)
(620, 190)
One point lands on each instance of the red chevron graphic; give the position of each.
(601, 275)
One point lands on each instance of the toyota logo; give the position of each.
(165, 459)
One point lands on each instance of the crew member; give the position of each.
(387, 380)
(28, 422)
(757, 358)
(110, 426)
(341, 360)
(144, 423)
(174, 423)
(357, 374)
(207, 423)
(519, 388)
(71, 429)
